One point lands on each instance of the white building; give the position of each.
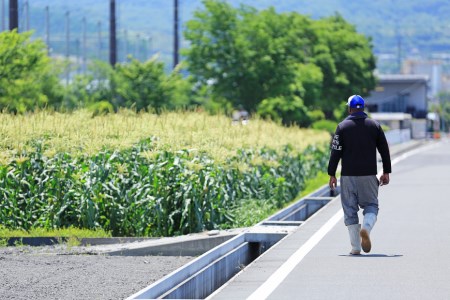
(400, 94)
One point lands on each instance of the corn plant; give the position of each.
(141, 191)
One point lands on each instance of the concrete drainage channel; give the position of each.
(204, 275)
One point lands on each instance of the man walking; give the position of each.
(356, 142)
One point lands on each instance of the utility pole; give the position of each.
(399, 46)
(175, 40)
(47, 28)
(125, 45)
(67, 45)
(3, 16)
(144, 49)
(13, 15)
(27, 15)
(150, 46)
(112, 33)
(99, 25)
(77, 53)
(84, 45)
(137, 47)
(67, 34)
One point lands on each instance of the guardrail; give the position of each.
(204, 275)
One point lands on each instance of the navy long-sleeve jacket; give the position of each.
(355, 142)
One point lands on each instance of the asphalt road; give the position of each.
(410, 245)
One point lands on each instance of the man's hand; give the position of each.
(333, 182)
(384, 179)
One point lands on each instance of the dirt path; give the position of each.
(70, 273)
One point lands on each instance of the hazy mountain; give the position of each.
(416, 27)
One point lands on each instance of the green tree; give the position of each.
(89, 89)
(145, 85)
(137, 85)
(287, 110)
(27, 79)
(263, 58)
(446, 116)
(213, 55)
(346, 60)
(247, 56)
(443, 108)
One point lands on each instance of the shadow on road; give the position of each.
(371, 255)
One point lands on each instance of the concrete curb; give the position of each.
(51, 241)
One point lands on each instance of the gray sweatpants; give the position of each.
(358, 192)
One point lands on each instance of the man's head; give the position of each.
(355, 103)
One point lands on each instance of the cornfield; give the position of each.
(184, 172)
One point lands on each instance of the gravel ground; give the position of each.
(61, 272)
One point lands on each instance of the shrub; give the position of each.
(289, 110)
(327, 125)
(101, 108)
(316, 115)
(26, 78)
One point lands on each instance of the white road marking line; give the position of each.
(275, 280)
(413, 152)
(282, 272)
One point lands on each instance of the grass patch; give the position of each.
(313, 184)
(74, 233)
(73, 242)
(253, 211)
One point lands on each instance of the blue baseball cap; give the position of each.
(355, 101)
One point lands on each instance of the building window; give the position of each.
(397, 104)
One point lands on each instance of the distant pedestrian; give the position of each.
(240, 116)
(355, 143)
(244, 115)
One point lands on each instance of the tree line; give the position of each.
(284, 66)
